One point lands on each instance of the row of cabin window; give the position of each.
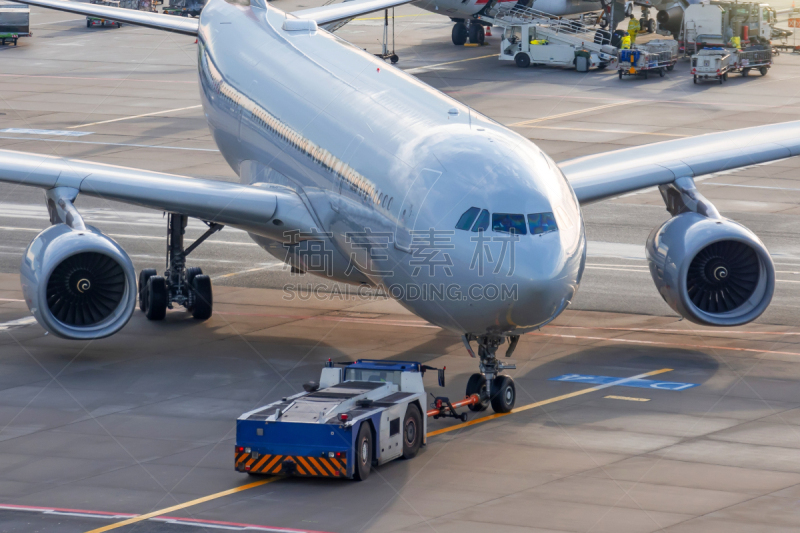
(477, 219)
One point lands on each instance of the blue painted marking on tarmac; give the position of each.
(638, 383)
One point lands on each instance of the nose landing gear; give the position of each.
(179, 285)
(490, 385)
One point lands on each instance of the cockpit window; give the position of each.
(466, 220)
(542, 223)
(509, 223)
(482, 224)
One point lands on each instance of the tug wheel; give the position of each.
(363, 453)
(504, 394)
(477, 385)
(412, 432)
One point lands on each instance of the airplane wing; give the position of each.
(226, 203)
(345, 10)
(156, 21)
(602, 176)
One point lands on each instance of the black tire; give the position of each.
(651, 25)
(745, 72)
(642, 24)
(671, 67)
(477, 35)
(394, 59)
(522, 60)
(644, 74)
(144, 275)
(477, 385)
(88, 23)
(602, 66)
(763, 71)
(203, 297)
(412, 432)
(119, 25)
(156, 300)
(620, 74)
(363, 458)
(725, 77)
(661, 72)
(191, 272)
(721, 80)
(459, 34)
(504, 394)
(695, 79)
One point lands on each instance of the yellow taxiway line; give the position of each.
(214, 496)
(160, 512)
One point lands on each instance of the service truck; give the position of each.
(358, 415)
(15, 21)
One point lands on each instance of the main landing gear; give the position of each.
(493, 387)
(475, 33)
(179, 285)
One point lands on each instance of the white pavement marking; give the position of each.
(136, 116)
(571, 113)
(112, 144)
(19, 323)
(753, 186)
(57, 133)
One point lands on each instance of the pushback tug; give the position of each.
(359, 414)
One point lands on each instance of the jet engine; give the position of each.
(671, 19)
(79, 284)
(712, 271)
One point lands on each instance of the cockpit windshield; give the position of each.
(542, 223)
(509, 223)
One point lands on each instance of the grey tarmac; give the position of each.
(93, 433)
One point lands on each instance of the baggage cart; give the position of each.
(15, 22)
(98, 21)
(639, 62)
(754, 58)
(184, 8)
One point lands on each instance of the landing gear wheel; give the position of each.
(651, 25)
(643, 24)
(476, 34)
(144, 275)
(477, 385)
(191, 272)
(203, 297)
(522, 60)
(459, 34)
(763, 71)
(504, 394)
(412, 432)
(363, 453)
(156, 298)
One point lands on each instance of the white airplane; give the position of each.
(466, 223)
(465, 12)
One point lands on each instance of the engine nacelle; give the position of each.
(79, 284)
(712, 271)
(670, 19)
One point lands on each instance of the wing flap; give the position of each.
(156, 21)
(601, 176)
(345, 10)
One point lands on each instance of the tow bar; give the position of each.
(443, 408)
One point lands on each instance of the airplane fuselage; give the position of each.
(387, 166)
(466, 9)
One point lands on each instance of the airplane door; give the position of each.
(412, 203)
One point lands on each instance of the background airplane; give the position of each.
(342, 155)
